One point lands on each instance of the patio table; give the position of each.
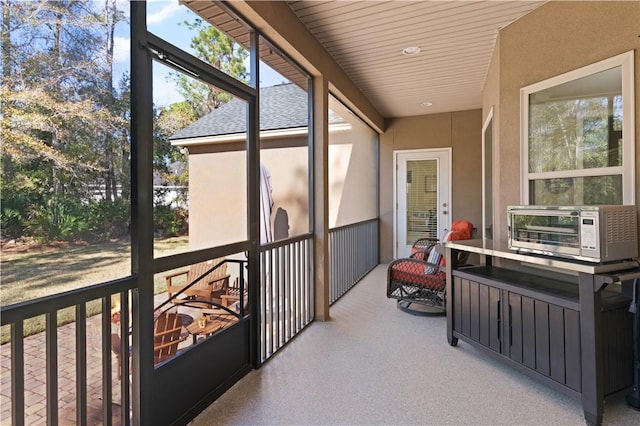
(209, 323)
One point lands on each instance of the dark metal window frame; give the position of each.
(147, 47)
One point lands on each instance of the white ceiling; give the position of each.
(456, 38)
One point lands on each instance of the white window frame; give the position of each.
(485, 195)
(627, 169)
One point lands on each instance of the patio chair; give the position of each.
(116, 348)
(167, 335)
(232, 296)
(421, 278)
(211, 283)
(165, 340)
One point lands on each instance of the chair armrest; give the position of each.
(173, 289)
(169, 278)
(221, 283)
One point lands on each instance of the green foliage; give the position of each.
(64, 122)
(11, 220)
(169, 221)
(108, 219)
(69, 220)
(63, 125)
(219, 50)
(54, 221)
(572, 134)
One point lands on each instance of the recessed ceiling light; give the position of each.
(426, 104)
(411, 50)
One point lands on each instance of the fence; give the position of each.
(77, 384)
(65, 374)
(353, 252)
(286, 292)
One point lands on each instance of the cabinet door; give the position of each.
(520, 329)
(543, 337)
(477, 312)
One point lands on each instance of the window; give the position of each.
(578, 136)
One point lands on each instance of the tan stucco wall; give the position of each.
(353, 159)
(461, 131)
(218, 193)
(217, 186)
(556, 38)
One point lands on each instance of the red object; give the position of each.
(463, 226)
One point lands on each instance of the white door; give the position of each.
(422, 196)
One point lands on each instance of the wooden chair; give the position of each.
(166, 336)
(116, 348)
(232, 295)
(208, 289)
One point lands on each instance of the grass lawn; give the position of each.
(37, 272)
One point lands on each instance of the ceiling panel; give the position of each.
(456, 38)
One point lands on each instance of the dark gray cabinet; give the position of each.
(534, 324)
(538, 334)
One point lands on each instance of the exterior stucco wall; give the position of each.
(352, 184)
(459, 130)
(553, 39)
(218, 199)
(217, 188)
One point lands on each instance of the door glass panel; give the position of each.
(200, 177)
(422, 200)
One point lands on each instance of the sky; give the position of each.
(163, 18)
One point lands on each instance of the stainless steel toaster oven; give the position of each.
(589, 233)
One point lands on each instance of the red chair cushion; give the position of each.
(412, 272)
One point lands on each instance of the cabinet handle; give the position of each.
(510, 326)
(499, 322)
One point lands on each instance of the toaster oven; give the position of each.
(589, 233)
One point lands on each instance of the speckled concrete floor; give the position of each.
(374, 364)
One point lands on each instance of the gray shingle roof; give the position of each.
(283, 106)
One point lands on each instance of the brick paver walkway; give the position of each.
(35, 377)
(35, 374)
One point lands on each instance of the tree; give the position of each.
(57, 106)
(112, 139)
(220, 51)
